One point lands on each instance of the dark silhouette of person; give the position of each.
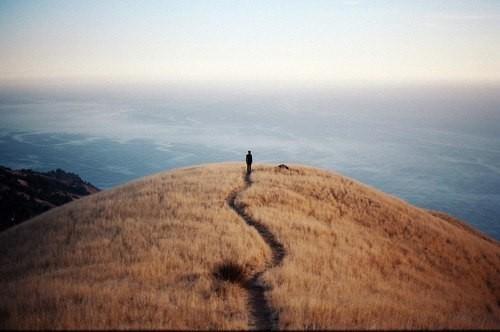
(249, 162)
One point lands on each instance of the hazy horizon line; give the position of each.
(111, 82)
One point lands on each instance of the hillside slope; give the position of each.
(189, 249)
(26, 193)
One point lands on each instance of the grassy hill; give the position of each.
(290, 248)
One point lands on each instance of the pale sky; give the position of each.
(351, 40)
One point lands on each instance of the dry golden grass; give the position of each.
(360, 259)
(138, 256)
(143, 256)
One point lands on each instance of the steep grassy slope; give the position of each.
(358, 258)
(148, 254)
(140, 255)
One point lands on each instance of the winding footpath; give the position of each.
(263, 315)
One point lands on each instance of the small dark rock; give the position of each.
(283, 166)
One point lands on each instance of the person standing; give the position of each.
(249, 162)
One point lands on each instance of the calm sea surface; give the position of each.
(435, 146)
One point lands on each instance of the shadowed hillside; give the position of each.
(25, 193)
(202, 247)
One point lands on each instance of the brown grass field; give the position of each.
(144, 255)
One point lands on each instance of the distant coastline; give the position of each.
(26, 193)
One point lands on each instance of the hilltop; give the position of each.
(26, 193)
(204, 248)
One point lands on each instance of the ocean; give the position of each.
(434, 145)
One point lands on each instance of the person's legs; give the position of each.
(249, 168)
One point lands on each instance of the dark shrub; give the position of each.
(229, 271)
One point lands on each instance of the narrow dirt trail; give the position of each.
(263, 315)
